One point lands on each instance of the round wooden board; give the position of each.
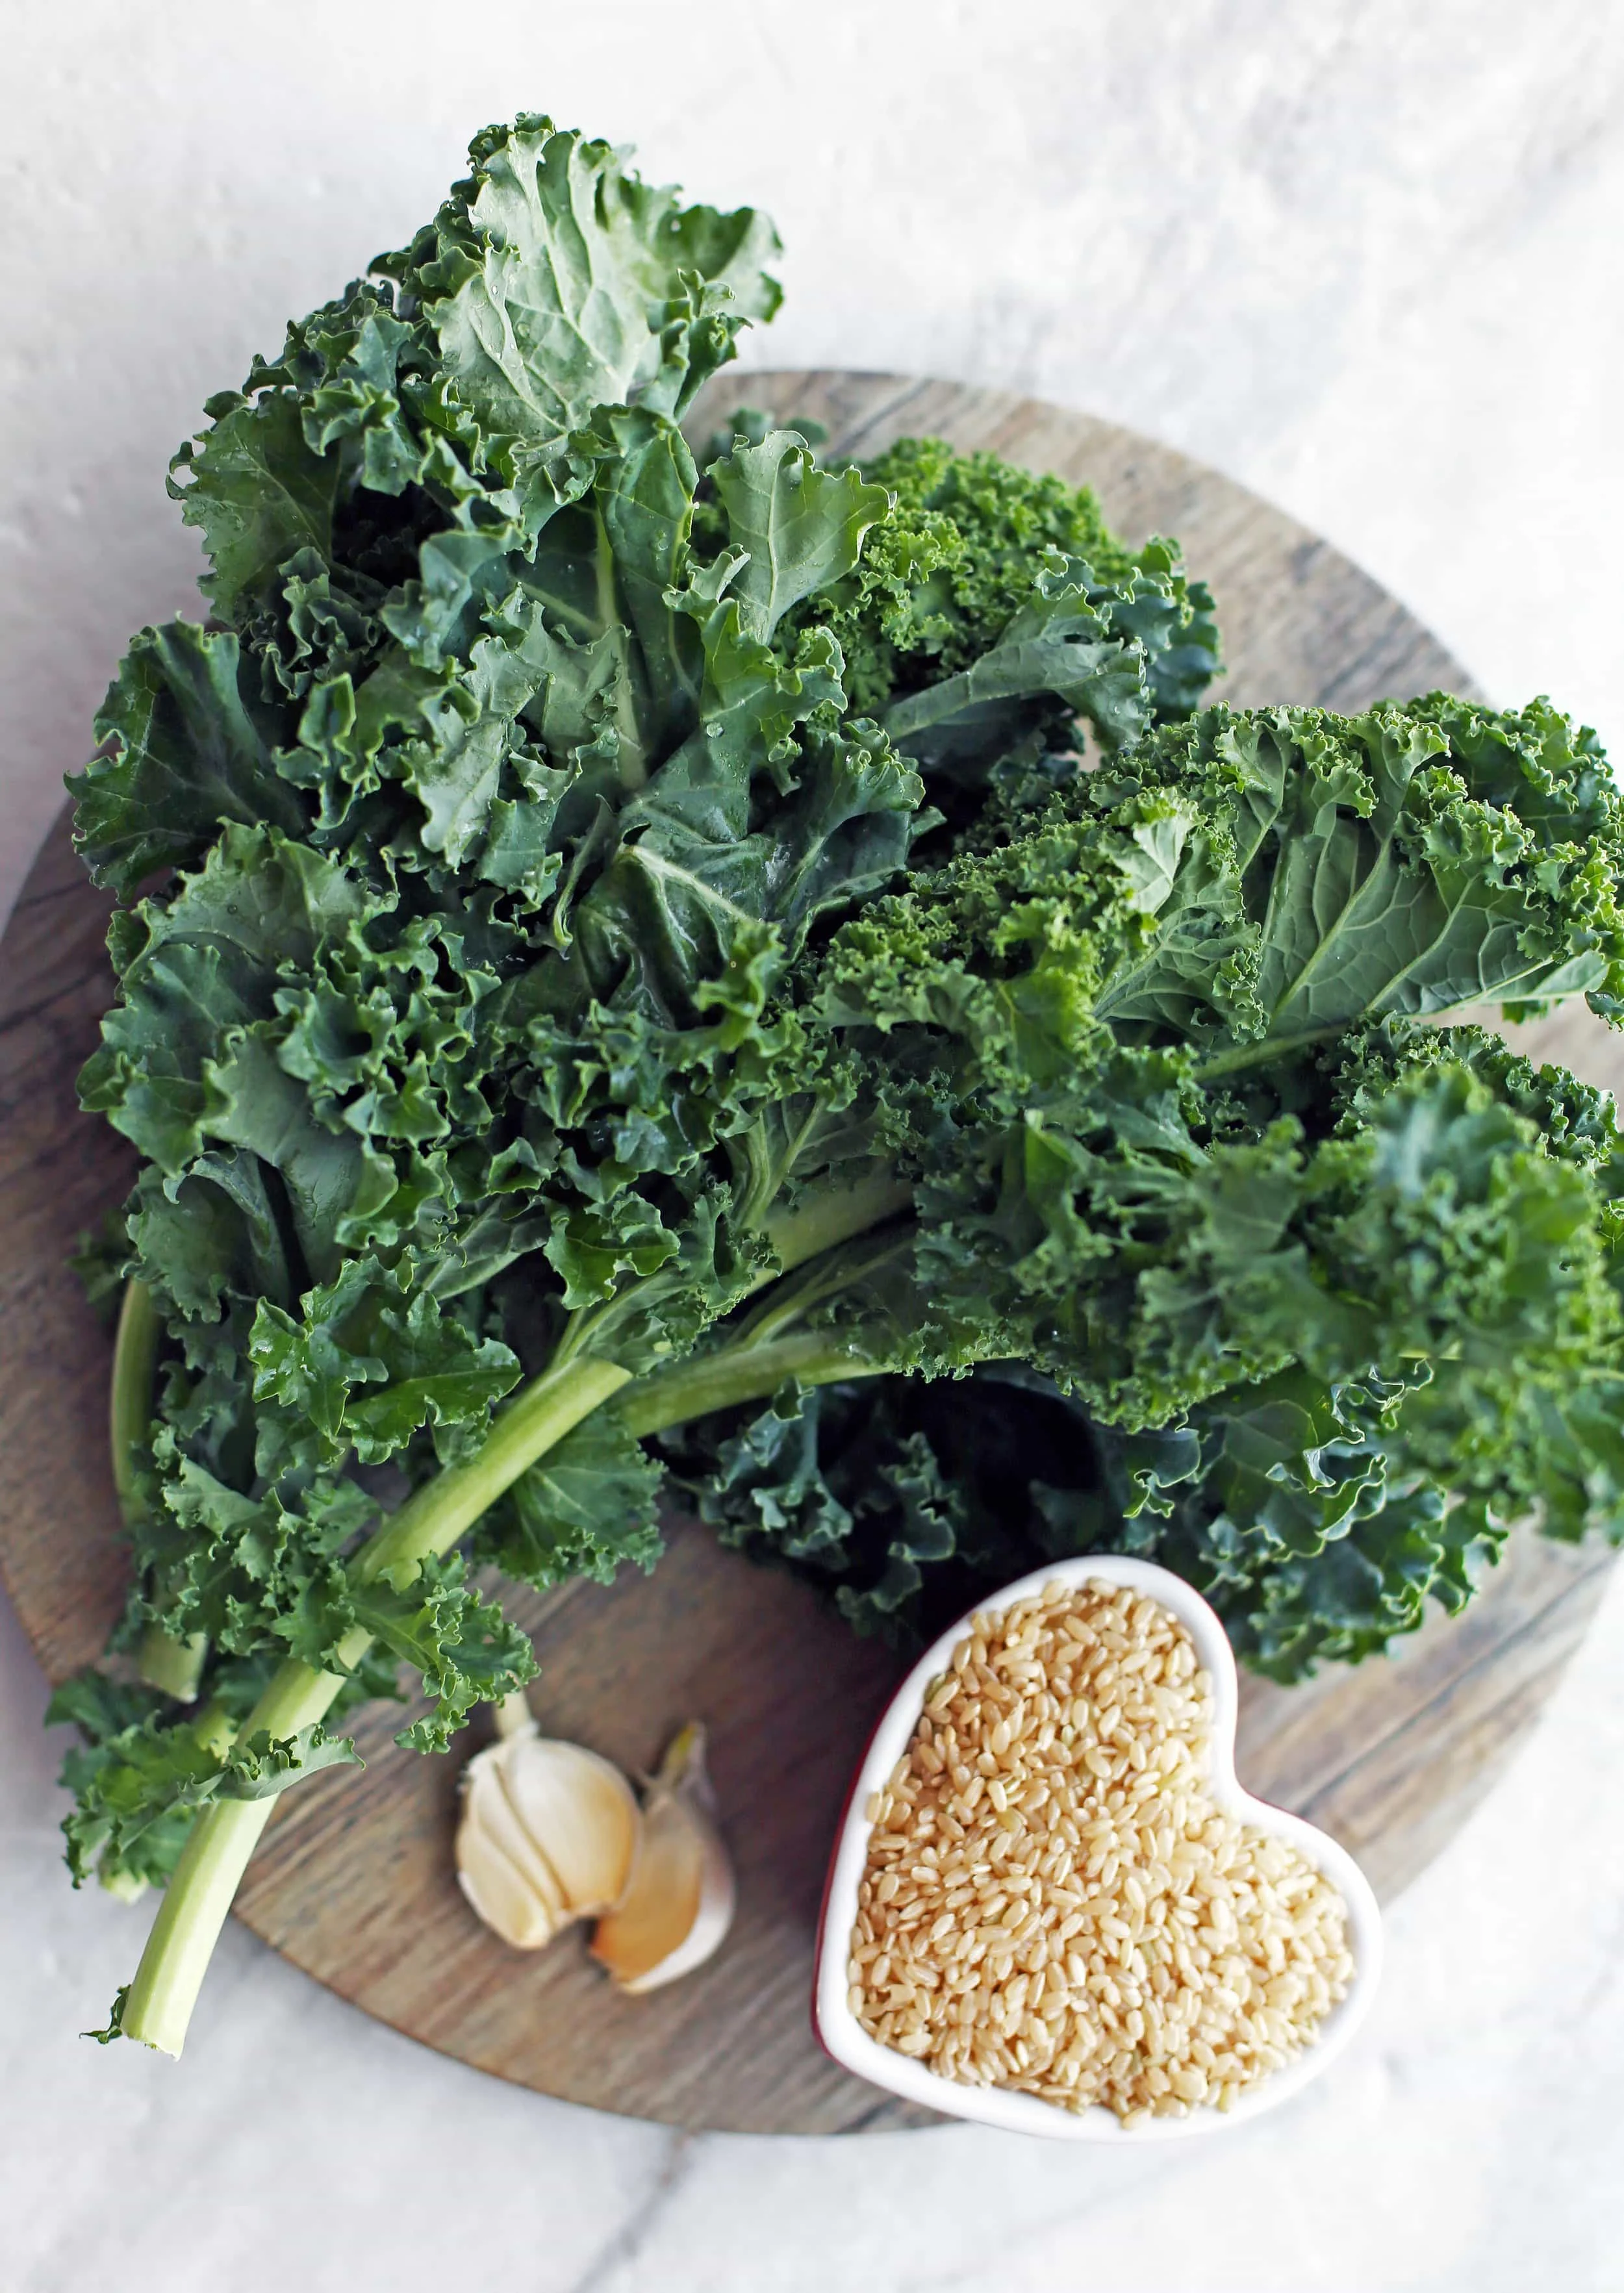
(353, 1882)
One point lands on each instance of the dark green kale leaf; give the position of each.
(1125, 1005)
(106, 1712)
(1409, 861)
(556, 283)
(1321, 1299)
(1055, 648)
(905, 1499)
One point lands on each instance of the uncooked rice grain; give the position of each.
(1053, 1902)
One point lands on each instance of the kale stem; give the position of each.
(1264, 1052)
(175, 1666)
(130, 1406)
(836, 1210)
(632, 762)
(159, 2006)
(749, 1373)
(791, 1297)
(442, 1510)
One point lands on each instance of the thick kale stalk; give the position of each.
(604, 949)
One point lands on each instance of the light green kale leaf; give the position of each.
(555, 282)
(1410, 861)
(800, 528)
(140, 1786)
(367, 1361)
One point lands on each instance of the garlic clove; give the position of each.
(578, 1812)
(506, 1879)
(496, 1894)
(679, 1903)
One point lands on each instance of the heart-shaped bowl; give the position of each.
(843, 2037)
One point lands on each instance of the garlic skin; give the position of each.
(678, 1905)
(549, 1832)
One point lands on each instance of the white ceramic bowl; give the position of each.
(838, 2029)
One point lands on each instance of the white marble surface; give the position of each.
(1361, 253)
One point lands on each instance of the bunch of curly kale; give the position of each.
(773, 980)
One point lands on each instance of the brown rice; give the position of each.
(1053, 1902)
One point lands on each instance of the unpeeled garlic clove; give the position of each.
(678, 1905)
(581, 1813)
(549, 1832)
(506, 1879)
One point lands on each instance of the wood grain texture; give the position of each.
(353, 1882)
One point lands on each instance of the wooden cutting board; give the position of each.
(353, 1882)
